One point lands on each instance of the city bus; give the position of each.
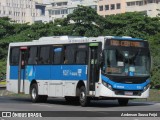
(80, 68)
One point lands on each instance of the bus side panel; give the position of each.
(13, 79)
(56, 80)
(40, 73)
(64, 79)
(27, 86)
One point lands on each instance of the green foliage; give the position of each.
(85, 21)
(3, 66)
(131, 24)
(155, 53)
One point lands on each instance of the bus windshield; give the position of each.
(125, 61)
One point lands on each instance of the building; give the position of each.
(61, 8)
(38, 1)
(109, 7)
(21, 11)
(149, 7)
(43, 1)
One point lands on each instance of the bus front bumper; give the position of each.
(103, 91)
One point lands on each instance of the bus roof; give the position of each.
(122, 38)
(58, 40)
(69, 40)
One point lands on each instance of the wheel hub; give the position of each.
(82, 96)
(34, 93)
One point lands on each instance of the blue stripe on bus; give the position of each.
(13, 72)
(51, 72)
(69, 72)
(122, 86)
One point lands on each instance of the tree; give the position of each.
(133, 24)
(85, 21)
(6, 28)
(155, 53)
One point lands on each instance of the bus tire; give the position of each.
(34, 93)
(83, 99)
(123, 101)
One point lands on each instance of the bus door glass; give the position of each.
(21, 68)
(93, 66)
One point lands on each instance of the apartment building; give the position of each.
(57, 9)
(20, 11)
(149, 7)
(23, 11)
(61, 8)
(109, 7)
(43, 1)
(38, 1)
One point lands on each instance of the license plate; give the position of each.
(128, 93)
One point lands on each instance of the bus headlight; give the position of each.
(107, 85)
(146, 87)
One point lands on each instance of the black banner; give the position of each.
(29, 114)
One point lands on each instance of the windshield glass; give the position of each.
(127, 61)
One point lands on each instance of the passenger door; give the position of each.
(93, 69)
(22, 69)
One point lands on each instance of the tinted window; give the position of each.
(57, 55)
(82, 54)
(32, 55)
(14, 56)
(70, 54)
(44, 56)
(81, 57)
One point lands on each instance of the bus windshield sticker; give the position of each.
(132, 69)
(121, 64)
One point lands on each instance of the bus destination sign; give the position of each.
(126, 43)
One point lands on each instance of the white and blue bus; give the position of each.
(80, 68)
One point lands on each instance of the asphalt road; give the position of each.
(96, 108)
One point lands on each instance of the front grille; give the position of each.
(135, 93)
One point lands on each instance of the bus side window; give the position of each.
(44, 57)
(81, 54)
(14, 56)
(32, 55)
(81, 57)
(70, 54)
(57, 55)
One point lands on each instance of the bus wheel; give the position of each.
(34, 93)
(83, 99)
(123, 101)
